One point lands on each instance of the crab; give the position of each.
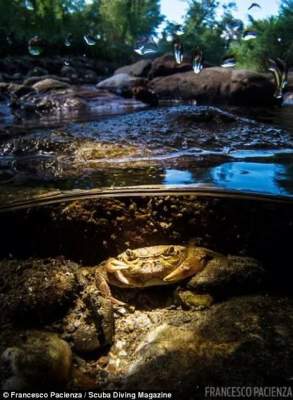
(152, 266)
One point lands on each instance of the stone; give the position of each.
(147, 96)
(216, 85)
(244, 341)
(80, 329)
(190, 299)
(42, 360)
(48, 85)
(166, 65)
(139, 69)
(228, 276)
(69, 72)
(36, 288)
(120, 83)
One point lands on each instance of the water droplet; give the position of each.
(228, 62)
(170, 38)
(279, 68)
(280, 40)
(178, 31)
(197, 63)
(68, 40)
(232, 30)
(249, 35)
(29, 5)
(178, 51)
(146, 45)
(251, 19)
(90, 40)
(9, 39)
(35, 46)
(254, 5)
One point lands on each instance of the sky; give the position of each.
(175, 10)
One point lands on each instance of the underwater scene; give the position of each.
(146, 199)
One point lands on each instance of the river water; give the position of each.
(125, 144)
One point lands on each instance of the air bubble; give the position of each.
(35, 47)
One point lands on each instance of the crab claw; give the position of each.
(119, 275)
(114, 265)
(185, 270)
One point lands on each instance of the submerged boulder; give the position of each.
(36, 288)
(40, 360)
(216, 85)
(231, 275)
(244, 341)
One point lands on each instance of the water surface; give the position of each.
(137, 150)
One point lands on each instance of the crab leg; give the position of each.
(105, 290)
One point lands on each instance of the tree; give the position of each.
(126, 20)
(202, 30)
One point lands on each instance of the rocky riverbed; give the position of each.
(229, 324)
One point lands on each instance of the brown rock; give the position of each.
(36, 288)
(166, 65)
(49, 84)
(216, 85)
(139, 69)
(244, 341)
(42, 360)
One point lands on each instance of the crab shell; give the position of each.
(156, 265)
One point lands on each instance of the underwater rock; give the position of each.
(227, 276)
(36, 289)
(89, 325)
(216, 85)
(42, 360)
(167, 65)
(139, 69)
(80, 329)
(194, 300)
(102, 312)
(251, 337)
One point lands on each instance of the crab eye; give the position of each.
(130, 255)
(170, 251)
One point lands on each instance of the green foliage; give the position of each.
(116, 25)
(274, 39)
